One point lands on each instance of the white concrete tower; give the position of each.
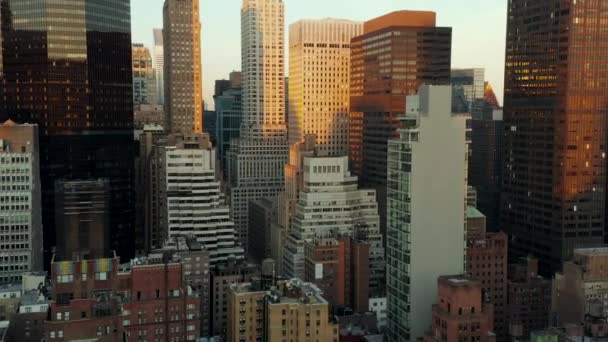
(427, 182)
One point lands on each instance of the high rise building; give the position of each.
(426, 209)
(229, 112)
(159, 65)
(319, 72)
(20, 202)
(67, 68)
(460, 313)
(151, 140)
(262, 214)
(486, 161)
(190, 199)
(487, 262)
(287, 199)
(468, 91)
(144, 76)
(555, 117)
(82, 219)
(183, 72)
(384, 70)
(330, 205)
(257, 158)
(293, 309)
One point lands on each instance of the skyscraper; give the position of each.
(159, 65)
(319, 71)
(331, 205)
(183, 76)
(485, 163)
(20, 202)
(555, 117)
(257, 158)
(190, 201)
(426, 209)
(144, 76)
(467, 91)
(395, 55)
(67, 67)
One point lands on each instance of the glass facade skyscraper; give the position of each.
(67, 67)
(556, 106)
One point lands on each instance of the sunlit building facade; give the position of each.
(144, 77)
(256, 159)
(159, 65)
(183, 72)
(426, 209)
(555, 117)
(319, 72)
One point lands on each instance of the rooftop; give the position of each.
(472, 212)
(458, 280)
(592, 251)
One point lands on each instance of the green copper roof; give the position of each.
(472, 212)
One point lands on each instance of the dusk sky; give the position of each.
(479, 28)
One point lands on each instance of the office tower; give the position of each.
(82, 219)
(20, 201)
(183, 73)
(460, 304)
(209, 126)
(229, 112)
(468, 87)
(77, 86)
(287, 199)
(331, 204)
(293, 309)
(339, 266)
(486, 162)
(190, 201)
(194, 258)
(221, 86)
(91, 301)
(529, 299)
(426, 209)
(319, 71)
(396, 54)
(262, 213)
(144, 76)
(159, 65)
(147, 180)
(256, 159)
(222, 277)
(487, 262)
(579, 291)
(554, 177)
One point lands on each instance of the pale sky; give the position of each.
(478, 26)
